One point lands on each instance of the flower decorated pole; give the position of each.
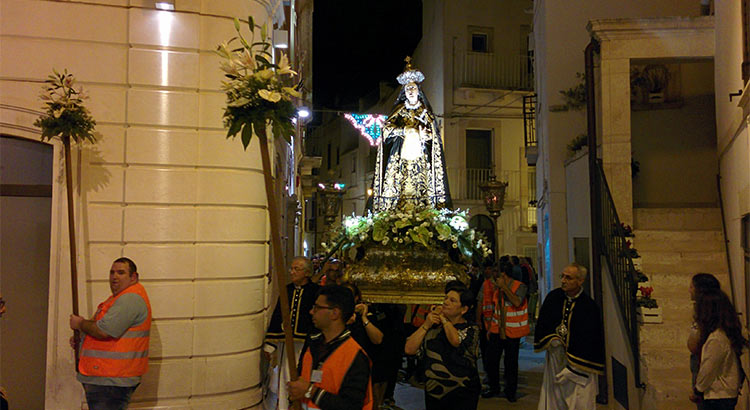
(66, 117)
(259, 94)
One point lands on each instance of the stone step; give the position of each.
(681, 241)
(665, 335)
(675, 286)
(677, 218)
(682, 262)
(669, 389)
(676, 359)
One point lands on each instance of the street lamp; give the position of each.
(330, 197)
(494, 199)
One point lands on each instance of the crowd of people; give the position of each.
(436, 347)
(349, 353)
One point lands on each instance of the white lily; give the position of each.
(272, 96)
(264, 74)
(284, 67)
(291, 91)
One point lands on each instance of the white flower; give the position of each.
(291, 91)
(264, 74)
(284, 67)
(229, 67)
(247, 60)
(272, 96)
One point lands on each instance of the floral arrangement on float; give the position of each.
(407, 255)
(427, 228)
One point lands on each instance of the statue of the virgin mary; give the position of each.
(410, 166)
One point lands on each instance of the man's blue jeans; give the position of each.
(108, 397)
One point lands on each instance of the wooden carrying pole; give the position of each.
(72, 237)
(278, 260)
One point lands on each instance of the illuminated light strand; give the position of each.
(370, 126)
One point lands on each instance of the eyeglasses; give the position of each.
(2, 303)
(317, 307)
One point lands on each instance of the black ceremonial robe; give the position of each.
(584, 339)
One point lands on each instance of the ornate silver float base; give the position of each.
(404, 275)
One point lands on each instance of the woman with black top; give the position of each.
(448, 346)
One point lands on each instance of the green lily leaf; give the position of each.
(443, 229)
(378, 231)
(464, 245)
(234, 129)
(247, 135)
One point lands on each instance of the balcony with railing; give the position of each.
(490, 70)
(475, 177)
(529, 129)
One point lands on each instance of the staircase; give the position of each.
(674, 243)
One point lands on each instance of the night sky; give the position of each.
(358, 43)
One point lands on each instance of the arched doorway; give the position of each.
(485, 225)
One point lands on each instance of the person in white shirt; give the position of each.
(719, 376)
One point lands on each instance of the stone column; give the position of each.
(163, 187)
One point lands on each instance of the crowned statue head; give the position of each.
(411, 94)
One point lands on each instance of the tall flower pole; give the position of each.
(65, 117)
(257, 97)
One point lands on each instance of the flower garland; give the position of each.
(428, 227)
(258, 90)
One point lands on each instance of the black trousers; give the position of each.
(495, 347)
(720, 404)
(461, 398)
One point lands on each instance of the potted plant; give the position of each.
(648, 310)
(577, 144)
(655, 79)
(575, 97)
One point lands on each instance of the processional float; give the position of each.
(411, 242)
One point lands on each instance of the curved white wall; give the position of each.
(163, 187)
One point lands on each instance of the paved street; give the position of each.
(531, 366)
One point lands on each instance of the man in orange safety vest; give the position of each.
(114, 350)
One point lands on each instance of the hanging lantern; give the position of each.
(494, 196)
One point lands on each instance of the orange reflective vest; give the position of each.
(516, 317)
(419, 314)
(489, 314)
(126, 356)
(334, 369)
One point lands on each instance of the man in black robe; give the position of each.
(569, 328)
(301, 294)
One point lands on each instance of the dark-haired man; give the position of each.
(334, 370)
(114, 350)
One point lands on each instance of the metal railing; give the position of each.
(613, 245)
(488, 70)
(529, 120)
(478, 176)
(474, 178)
